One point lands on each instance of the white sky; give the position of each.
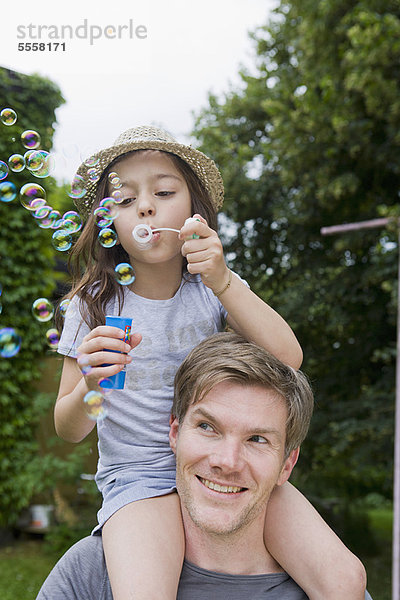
(191, 48)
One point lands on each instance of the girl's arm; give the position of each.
(247, 313)
(70, 418)
(303, 544)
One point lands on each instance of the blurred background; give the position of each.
(298, 103)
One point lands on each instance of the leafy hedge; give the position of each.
(26, 273)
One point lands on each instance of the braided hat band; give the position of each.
(147, 138)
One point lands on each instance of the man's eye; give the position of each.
(205, 427)
(258, 439)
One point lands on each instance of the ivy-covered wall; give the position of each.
(26, 273)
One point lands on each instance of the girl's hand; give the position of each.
(204, 255)
(94, 353)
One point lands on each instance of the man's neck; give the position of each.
(239, 553)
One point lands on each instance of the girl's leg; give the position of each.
(305, 546)
(144, 548)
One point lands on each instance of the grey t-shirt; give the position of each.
(134, 436)
(81, 574)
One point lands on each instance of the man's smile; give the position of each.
(225, 489)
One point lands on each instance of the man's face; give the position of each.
(230, 455)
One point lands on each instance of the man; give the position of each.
(240, 416)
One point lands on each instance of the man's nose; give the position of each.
(227, 456)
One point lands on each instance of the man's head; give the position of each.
(240, 416)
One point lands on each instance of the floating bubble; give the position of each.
(83, 362)
(56, 219)
(1, 308)
(107, 237)
(16, 162)
(78, 189)
(10, 342)
(102, 217)
(112, 176)
(106, 385)
(53, 338)
(28, 154)
(8, 116)
(63, 306)
(92, 161)
(42, 310)
(61, 240)
(117, 196)
(43, 163)
(3, 170)
(72, 222)
(8, 191)
(94, 404)
(30, 139)
(35, 160)
(124, 274)
(29, 193)
(42, 211)
(93, 175)
(110, 204)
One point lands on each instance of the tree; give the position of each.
(312, 139)
(26, 273)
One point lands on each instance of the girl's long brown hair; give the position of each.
(92, 266)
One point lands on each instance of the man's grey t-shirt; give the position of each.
(81, 574)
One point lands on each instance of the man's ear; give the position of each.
(173, 432)
(288, 466)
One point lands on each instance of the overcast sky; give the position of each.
(157, 74)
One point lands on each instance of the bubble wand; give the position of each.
(143, 233)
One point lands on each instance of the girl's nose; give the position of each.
(145, 206)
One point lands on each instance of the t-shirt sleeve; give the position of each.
(80, 574)
(74, 330)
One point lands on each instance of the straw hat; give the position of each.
(140, 138)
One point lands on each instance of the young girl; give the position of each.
(182, 293)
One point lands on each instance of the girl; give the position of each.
(182, 293)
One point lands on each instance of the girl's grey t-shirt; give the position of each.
(134, 435)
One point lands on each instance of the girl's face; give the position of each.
(154, 193)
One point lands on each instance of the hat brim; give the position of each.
(203, 166)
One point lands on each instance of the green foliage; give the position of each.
(26, 273)
(311, 139)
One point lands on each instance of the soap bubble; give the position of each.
(93, 175)
(16, 162)
(42, 211)
(30, 139)
(72, 222)
(42, 310)
(94, 405)
(83, 363)
(63, 306)
(3, 170)
(117, 196)
(40, 163)
(61, 240)
(106, 385)
(107, 237)
(8, 191)
(8, 116)
(111, 206)
(29, 193)
(114, 179)
(10, 342)
(78, 189)
(124, 274)
(102, 217)
(92, 161)
(53, 338)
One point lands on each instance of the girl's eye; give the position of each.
(126, 201)
(205, 427)
(165, 193)
(258, 439)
